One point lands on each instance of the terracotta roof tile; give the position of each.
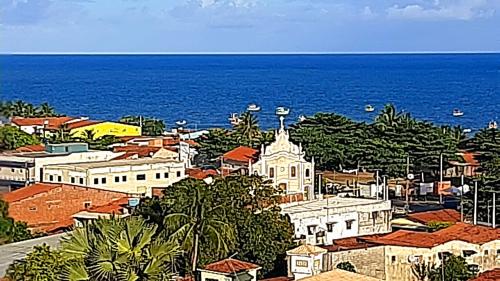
(113, 207)
(444, 215)
(470, 159)
(54, 122)
(140, 150)
(490, 275)
(350, 243)
(82, 123)
(306, 250)
(201, 174)
(29, 191)
(230, 266)
(31, 148)
(242, 154)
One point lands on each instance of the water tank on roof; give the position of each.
(133, 202)
(67, 147)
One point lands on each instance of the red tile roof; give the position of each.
(31, 148)
(350, 243)
(140, 150)
(29, 191)
(230, 266)
(169, 142)
(444, 215)
(490, 275)
(201, 174)
(242, 154)
(474, 234)
(470, 159)
(113, 207)
(82, 123)
(54, 122)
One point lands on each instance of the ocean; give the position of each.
(205, 89)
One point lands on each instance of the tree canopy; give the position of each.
(12, 137)
(22, 109)
(150, 126)
(10, 230)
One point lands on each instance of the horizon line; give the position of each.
(250, 53)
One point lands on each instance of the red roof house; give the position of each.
(230, 266)
(444, 215)
(242, 154)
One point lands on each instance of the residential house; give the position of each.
(421, 220)
(304, 261)
(228, 270)
(468, 167)
(320, 222)
(41, 126)
(391, 256)
(133, 176)
(117, 208)
(50, 207)
(490, 275)
(18, 169)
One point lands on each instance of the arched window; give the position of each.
(308, 173)
(293, 171)
(271, 172)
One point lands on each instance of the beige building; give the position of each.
(391, 257)
(138, 176)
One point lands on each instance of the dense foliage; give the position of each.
(150, 126)
(42, 264)
(12, 137)
(347, 266)
(454, 268)
(227, 217)
(10, 230)
(22, 109)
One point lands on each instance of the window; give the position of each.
(329, 226)
(301, 263)
(293, 171)
(87, 205)
(32, 208)
(311, 229)
(374, 217)
(468, 253)
(211, 279)
(81, 181)
(271, 172)
(165, 175)
(124, 178)
(103, 180)
(51, 178)
(498, 252)
(59, 178)
(12, 170)
(158, 176)
(348, 224)
(96, 181)
(486, 252)
(178, 174)
(308, 173)
(73, 180)
(117, 179)
(393, 259)
(141, 177)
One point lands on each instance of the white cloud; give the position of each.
(443, 10)
(367, 13)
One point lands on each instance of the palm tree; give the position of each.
(199, 220)
(19, 108)
(116, 250)
(88, 135)
(388, 117)
(29, 111)
(248, 129)
(7, 109)
(45, 110)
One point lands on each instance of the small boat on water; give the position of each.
(234, 119)
(302, 118)
(493, 125)
(466, 131)
(253, 107)
(282, 111)
(457, 112)
(181, 122)
(369, 108)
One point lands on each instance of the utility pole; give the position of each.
(440, 178)
(407, 180)
(494, 211)
(386, 190)
(475, 202)
(461, 198)
(376, 193)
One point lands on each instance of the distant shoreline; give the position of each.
(243, 53)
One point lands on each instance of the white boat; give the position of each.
(282, 111)
(457, 112)
(181, 122)
(467, 131)
(234, 119)
(253, 107)
(369, 108)
(493, 125)
(302, 118)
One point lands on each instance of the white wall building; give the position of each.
(305, 261)
(319, 222)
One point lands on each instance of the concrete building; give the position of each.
(228, 270)
(138, 176)
(390, 257)
(319, 222)
(305, 261)
(18, 169)
(50, 207)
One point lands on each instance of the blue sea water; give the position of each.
(205, 89)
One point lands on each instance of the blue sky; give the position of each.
(249, 25)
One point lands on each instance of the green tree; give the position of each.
(42, 264)
(438, 225)
(200, 222)
(214, 144)
(455, 269)
(118, 249)
(45, 110)
(150, 126)
(421, 270)
(12, 137)
(7, 109)
(347, 266)
(247, 131)
(10, 230)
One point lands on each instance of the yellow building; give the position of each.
(99, 129)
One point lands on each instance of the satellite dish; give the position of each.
(410, 176)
